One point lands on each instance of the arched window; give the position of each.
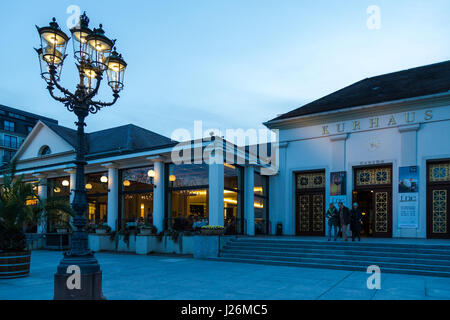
(45, 150)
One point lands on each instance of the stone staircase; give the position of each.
(391, 257)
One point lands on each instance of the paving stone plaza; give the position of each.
(155, 277)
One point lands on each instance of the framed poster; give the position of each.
(338, 183)
(408, 195)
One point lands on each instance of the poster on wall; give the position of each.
(338, 187)
(408, 195)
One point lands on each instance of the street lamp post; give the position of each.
(95, 54)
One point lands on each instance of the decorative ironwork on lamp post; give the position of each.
(94, 54)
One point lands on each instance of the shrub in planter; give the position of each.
(102, 229)
(17, 211)
(147, 229)
(212, 230)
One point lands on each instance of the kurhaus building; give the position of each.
(383, 142)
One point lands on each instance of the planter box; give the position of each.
(149, 243)
(122, 246)
(205, 247)
(101, 242)
(212, 232)
(100, 231)
(14, 264)
(145, 232)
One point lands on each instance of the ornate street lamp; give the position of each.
(92, 52)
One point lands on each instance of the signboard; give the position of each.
(408, 195)
(338, 187)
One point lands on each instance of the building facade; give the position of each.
(383, 143)
(15, 125)
(131, 179)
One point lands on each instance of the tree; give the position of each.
(20, 205)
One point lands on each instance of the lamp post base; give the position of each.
(91, 287)
(84, 282)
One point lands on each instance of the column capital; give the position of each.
(70, 170)
(158, 158)
(409, 127)
(39, 175)
(110, 165)
(339, 137)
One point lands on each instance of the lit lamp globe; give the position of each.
(104, 179)
(151, 173)
(172, 178)
(99, 47)
(115, 71)
(127, 183)
(65, 183)
(88, 186)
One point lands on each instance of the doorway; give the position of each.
(310, 203)
(365, 202)
(373, 193)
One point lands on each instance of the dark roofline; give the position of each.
(347, 97)
(27, 114)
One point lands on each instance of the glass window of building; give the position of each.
(8, 125)
(233, 219)
(10, 141)
(97, 197)
(187, 196)
(136, 196)
(261, 207)
(58, 189)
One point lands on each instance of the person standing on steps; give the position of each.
(344, 217)
(356, 217)
(333, 221)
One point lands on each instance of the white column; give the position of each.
(409, 144)
(216, 189)
(113, 196)
(42, 193)
(249, 200)
(73, 174)
(158, 196)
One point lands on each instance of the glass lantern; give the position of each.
(79, 36)
(116, 71)
(99, 48)
(53, 44)
(88, 74)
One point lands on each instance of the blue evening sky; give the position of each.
(230, 63)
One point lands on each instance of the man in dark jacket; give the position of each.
(344, 216)
(333, 221)
(356, 217)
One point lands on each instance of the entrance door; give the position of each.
(373, 192)
(310, 203)
(438, 200)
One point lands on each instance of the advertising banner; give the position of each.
(408, 195)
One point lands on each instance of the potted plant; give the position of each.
(147, 229)
(16, 211)
(212, 230)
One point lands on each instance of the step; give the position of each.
(336, 246)
(333, 266)
(349, 243)
(408, 258)
(348, 251)
(362, 263)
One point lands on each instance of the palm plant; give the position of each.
(20, 205)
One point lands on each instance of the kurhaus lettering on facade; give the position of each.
(379, 122)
